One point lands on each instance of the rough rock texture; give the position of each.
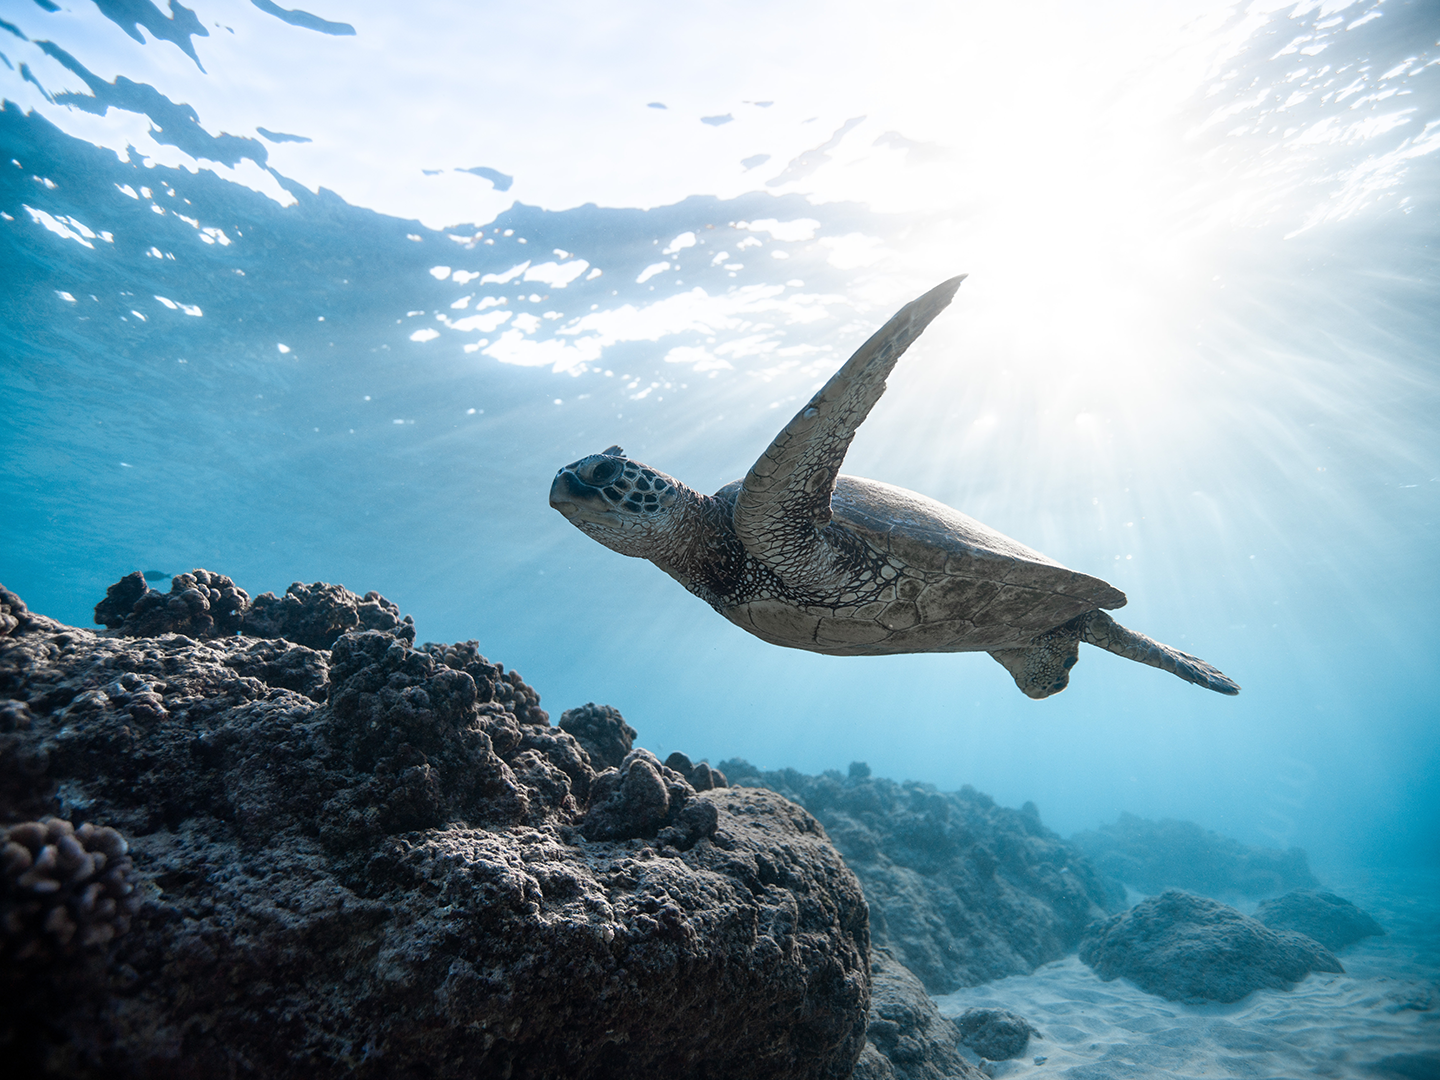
(960, 890)
(1332, 921)
(1190, 948)
(205, 604)
(316, 615)
(372, 862)
(1153, 856)
(701, 776)
(602, 732)
(907, 1039)
(12, 611)
(200, 604)
(996, 1034)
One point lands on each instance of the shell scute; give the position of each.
(901, 615)
(840, 633)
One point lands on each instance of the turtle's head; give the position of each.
(629, 507)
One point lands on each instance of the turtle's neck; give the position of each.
(702, 552)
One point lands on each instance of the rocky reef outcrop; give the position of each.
(908, 1038)
(1153, 856)
(206, 604)
(1194, 949)
(1331, 920)
(961, 891)
(377, 860)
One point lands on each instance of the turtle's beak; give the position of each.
(577, 500)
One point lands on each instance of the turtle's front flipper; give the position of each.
(1098, 628)
(786, 494)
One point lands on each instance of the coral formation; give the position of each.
(644, 798)
(701, 776)
(378, 860)
(199, 604)
(316, 615)
(1153, 856)
(12, 612)
(602, 732)
(1331, 920)
(64, 889)
(204, 604)
(1190, 948)
(962, 891)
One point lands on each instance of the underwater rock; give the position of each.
(120, 600)
(13, 612)
(316, 615)
(1332, 921)
(701, 776)
(199, 604)
(1153, 856)
(996, 1034)
(907, 1038)
(602, 732)
(204, 604)
(960, 890)
(369, 862)
(1193, 949)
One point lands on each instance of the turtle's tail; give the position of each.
(1098, 628)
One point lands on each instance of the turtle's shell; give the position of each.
(938, 581)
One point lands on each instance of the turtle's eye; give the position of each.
(602, 472)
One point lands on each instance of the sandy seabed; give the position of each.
(1378, 1021)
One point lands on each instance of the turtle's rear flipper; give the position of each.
(1043, 668)
(1098, 628)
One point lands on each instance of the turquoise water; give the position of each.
(248, 327)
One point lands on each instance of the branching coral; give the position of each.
(65, 889)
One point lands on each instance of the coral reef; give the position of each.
(1191, 948)
(995, 1034)
(960, 890)
(907, 1038)
(602, 732)
(13, 612)
(63, 889)
(1331, 920)
(381, 860)
(199, 604)
(205, 604)
(701, 776)
(316, 615)
(1153, 856)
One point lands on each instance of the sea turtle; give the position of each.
(802, 556)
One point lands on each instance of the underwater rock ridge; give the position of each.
(1331, 920)
(1153, 856)
(960, 890)
(380, 860)
(205, 604)
(908, 1038)
(1190, 948)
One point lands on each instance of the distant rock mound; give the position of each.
(961, 891)
(1193, 949)
(995, 1034)
(1152, 856)
(1332, 921)
(203, 604)
(907, 1039)
(377, 860)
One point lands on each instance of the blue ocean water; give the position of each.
(330, 294)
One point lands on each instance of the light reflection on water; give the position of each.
(1195, 356)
